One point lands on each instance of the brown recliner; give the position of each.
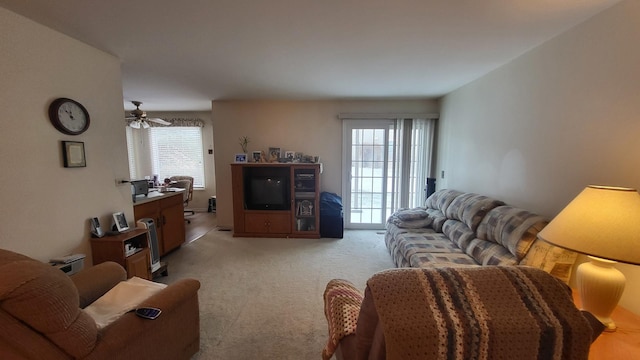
(42, 317)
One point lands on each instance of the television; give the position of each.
(265, 192)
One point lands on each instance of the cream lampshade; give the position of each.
(604, 223)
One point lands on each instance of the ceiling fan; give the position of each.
(139, 118)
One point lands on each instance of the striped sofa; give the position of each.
(466, 229)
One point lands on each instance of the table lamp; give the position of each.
(604, 223)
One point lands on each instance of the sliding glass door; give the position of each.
(386, 163)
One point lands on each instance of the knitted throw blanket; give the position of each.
(341, 308)
(478, 313)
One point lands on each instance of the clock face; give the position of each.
(69, 116)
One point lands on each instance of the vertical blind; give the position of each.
(410, 162)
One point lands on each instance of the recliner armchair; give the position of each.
(42, 317)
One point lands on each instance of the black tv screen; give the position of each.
(267, 193)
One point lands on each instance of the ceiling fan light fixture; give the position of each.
(139, 118)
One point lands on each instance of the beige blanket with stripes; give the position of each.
(506, 312)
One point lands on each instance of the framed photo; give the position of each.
(256, 156)
(305, 208)
(120, 221)
(241, 158)
(73, 154)
(274, 154)
(290, 155)
(298, 157)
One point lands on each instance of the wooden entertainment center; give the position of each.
(276, 200)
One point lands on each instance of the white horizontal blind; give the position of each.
(177, 151)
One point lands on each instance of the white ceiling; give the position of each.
(180, 55)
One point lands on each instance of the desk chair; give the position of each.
(185, 182)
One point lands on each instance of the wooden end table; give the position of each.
(624, 343)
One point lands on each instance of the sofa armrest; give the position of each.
(174, 334)
(95, 281)
(173, 295)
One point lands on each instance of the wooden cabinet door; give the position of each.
(256, 223)
(138, 265)
(267, 222)
(173, 232)
(280, 223)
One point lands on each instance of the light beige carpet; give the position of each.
(261, 298)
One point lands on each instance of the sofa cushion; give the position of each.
(490, 253)
(458, 232)
(437, 219)
(411, 224)
(471, 208)
(409, 244)
(441, 199)
(515, 229)
(440, 260)
(411, 214)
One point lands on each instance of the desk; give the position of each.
(622, 344)
(167, 212)
(157, 195)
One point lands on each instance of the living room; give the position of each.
(533, 132)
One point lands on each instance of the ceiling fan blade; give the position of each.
(159, 121)
(130, 118)
(135, 124)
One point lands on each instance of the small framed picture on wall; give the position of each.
(73, 154)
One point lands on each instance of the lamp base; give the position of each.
(600, 286)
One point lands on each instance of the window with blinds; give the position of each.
(177, 151)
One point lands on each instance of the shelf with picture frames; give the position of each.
(276, 155)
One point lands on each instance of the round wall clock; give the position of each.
(69, 116)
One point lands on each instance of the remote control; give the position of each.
(148, 312)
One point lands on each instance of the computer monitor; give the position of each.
(139, 188)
